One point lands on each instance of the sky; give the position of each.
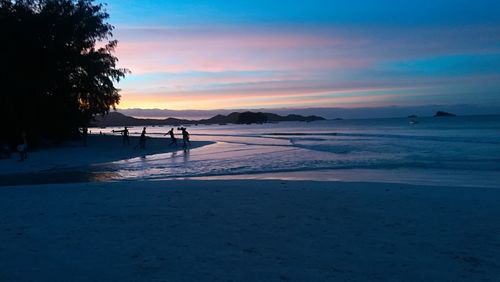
(221, 54)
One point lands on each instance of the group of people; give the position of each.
(173, 140)
(142, 138)
(22, 148)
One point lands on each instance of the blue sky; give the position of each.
(425, 12)
(269, 54)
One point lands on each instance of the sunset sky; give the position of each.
(212, 54)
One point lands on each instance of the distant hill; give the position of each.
(118, 119)
(444, 114)
(327, 112)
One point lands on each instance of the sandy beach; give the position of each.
(248, 231)
(154, 229)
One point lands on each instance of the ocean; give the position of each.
(445, 151)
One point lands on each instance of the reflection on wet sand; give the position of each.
(57, 177)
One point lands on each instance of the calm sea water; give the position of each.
(462, 151)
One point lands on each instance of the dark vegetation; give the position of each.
(118, 119)
(57, 68)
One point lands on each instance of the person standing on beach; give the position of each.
(142, 139)
(172, 136)
(126, 141)
(185, 137)
(124, 134)
(85, 132)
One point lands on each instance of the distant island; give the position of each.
(444, 114)
(118, 119)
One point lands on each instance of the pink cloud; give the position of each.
(256, 100)
(216, 49)
(222, 50)
(299, 67)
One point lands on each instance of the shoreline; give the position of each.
(255, 153)
(73, 155)
(93, 174)
(251, 230)
(405, 176)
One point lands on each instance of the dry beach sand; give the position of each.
(248, 231)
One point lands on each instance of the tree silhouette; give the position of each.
(57, 67)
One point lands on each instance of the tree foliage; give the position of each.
(57, 68)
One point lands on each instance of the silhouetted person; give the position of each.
(185, 137)
(23, 148)
(85, 132)
(142, 139)
(124, 133)
(172, 137)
